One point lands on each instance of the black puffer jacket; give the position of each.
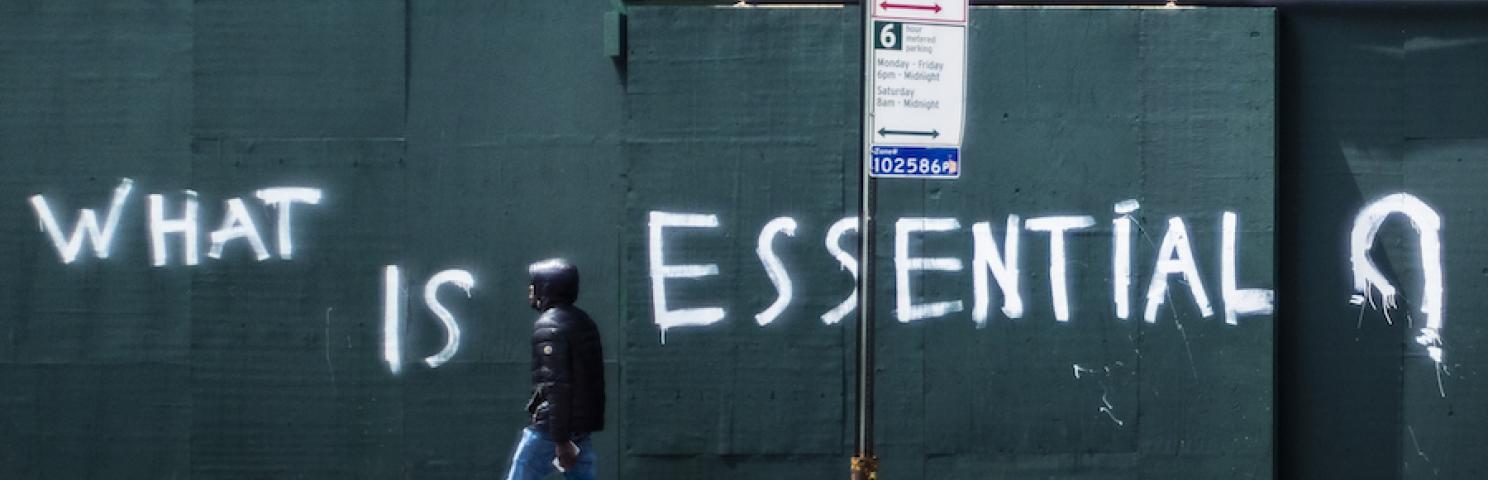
(567, 359)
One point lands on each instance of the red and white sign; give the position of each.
(932, 11)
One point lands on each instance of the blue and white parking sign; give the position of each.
(914, 162)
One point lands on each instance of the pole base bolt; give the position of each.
(865, 468)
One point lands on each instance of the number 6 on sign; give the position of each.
(888, 35)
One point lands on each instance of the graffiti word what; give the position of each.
(236, 224)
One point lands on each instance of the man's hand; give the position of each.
(567, 453)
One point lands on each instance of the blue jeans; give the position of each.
(533, 459)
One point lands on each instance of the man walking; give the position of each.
(568, 398)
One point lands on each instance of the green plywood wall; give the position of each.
(482, 136)
(1131, 108)
(454, 135)
(1381, 101)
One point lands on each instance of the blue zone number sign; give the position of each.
(914, 162)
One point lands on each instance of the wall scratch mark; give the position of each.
(1101, 375)
(329, 366)
(1422, 453)
(1193, 370)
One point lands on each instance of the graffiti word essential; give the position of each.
(990, 263)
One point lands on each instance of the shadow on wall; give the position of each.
(1343, 364)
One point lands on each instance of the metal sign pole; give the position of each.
(914, 99)
(865, 464)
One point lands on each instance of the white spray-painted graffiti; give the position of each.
(1004, 268)
(905, 308)
(1238, 301)
(282, 198)
(778, 276)
(1121, 277)
(990, 262)
(1175, 257)
(1427, 224)
(393, 301)
(1057, 226)
(660, 272)
(87, 225)
(236, 224)
(847, 261)
(392, 317)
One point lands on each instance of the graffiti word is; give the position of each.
(394, 299)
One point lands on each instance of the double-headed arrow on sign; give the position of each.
(884, 132)
(905, 6)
